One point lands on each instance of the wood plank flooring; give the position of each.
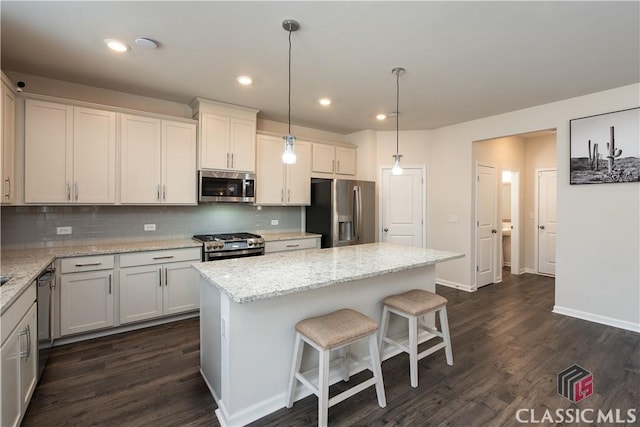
(507, 345)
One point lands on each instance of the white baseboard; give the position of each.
(529, 270)
(461, 286)
(603, 320)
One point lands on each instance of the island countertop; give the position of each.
(250, 279)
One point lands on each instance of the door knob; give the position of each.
(494, 231)
(386, 229)
(541, 227)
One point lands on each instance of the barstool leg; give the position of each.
(384, 324)
(323, 388)
(413, 350)
(345, 364)
(444, 325)
(377, 371)
(295, 367)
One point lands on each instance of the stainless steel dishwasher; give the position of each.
(46, 284)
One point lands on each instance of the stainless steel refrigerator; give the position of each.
(343, 211)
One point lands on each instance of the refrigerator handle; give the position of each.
(358, 211)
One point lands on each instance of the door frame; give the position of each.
(497, 273)
(515, 221)
(379, 221)
(536, 223)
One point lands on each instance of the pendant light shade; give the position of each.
(397, 166)
(289, 155)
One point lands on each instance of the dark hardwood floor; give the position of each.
(507, 345)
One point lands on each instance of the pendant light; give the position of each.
(289, 155)
(397, 167)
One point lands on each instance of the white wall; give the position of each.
(598, 247)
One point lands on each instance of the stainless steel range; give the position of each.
(230, 245)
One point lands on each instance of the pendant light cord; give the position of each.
(397, 111)
(289, 112)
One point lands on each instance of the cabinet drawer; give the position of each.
(16, 311)
(291, 245)
(86, 263)
(160, 257)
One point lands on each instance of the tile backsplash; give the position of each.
(36, 226)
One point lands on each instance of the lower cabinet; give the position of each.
(291, 245)
(158, 283)
(18, 358)
(86, 294)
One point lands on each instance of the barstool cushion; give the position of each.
(415, 301)
(335, 328)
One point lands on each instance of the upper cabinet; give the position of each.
(329, 160)
(280, 184)
(8, 135)
(227, 136)
(70, 154)
(157, 161)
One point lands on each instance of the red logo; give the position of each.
(575, 383)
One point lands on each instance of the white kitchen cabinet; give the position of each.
(291, 245)
(86, 294)
(227, 136)
(18, 357)
(280, 184)
(8, 135)
(333, 160)
(157, 161)
(158, 283)
(70, 154)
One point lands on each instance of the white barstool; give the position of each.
(331, 332)
(413, 306)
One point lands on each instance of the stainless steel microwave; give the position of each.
(221, 186)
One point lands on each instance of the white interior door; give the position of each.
(402, 202)
(486, 227)
(547, 222)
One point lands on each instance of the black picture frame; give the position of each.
(594, 159)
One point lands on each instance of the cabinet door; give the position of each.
(179, 163)
(8, 108)
(48, 152)
(270, 171)
(243, 145)
(214, 141)
(182, 288)
(94, 156)
(298, 176)
(345, 161)
(323, 158)
(10, 380)
(86, 301)
(140, 151)
(28, 357)
(140, 293)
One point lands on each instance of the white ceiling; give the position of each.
(464, 60)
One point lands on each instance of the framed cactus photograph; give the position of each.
(605, 148)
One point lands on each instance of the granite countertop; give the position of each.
(254, 278)
(288, 235)
(24, 265)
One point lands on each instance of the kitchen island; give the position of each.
(249, 308)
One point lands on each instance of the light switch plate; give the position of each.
(275, 222)
(149, 227)
(64, 230)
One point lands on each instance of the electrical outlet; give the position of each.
(275, 222)
(64, 230)
(149, 227)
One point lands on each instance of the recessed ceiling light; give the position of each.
(116, 45)
(244, 80)
(324, 101)
(146, 43)
(381, 116)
